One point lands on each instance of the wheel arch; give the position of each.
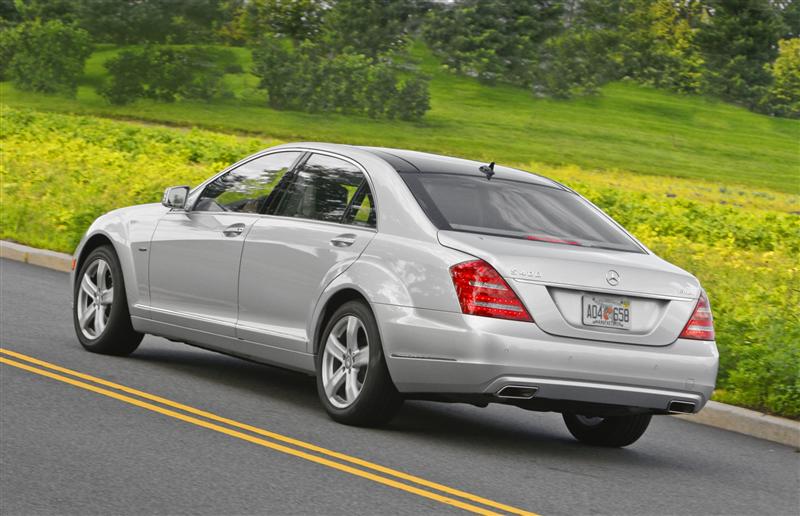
(93, 242)
(330, 305)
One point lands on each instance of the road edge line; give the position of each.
(715, 414)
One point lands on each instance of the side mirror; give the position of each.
(175, 197)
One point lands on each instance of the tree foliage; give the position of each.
(657, 44)
(8, 42)
(368, 27)
(297, 20)
(164, 74)
(126, 21)
(737, 39)
(308, 77)
(494, 41)
(783, 97)
(556, 48)
(45, 57)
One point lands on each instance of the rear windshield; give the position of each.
(515, 209)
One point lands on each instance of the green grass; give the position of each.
(626, 127)
(741, 244)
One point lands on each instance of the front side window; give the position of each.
(329, 189)
(247, 188)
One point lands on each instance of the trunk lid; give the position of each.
(557, 283)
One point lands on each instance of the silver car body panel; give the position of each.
(261, 294)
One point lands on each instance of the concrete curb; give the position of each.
(718, 415)
(34, 256)
(747, 422)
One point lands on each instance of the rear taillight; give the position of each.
(701, 324)
(482, 291)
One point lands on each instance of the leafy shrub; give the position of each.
(8, 40)
(493, 41)
(306, 78)
(164, 74)
(413, 99)
(754, 297)
(783, 98)
(570, 64)
(47, 57)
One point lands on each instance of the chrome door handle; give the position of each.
(345, 240)
(233, 230)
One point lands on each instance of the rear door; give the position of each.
(321, 223)
(195, 254)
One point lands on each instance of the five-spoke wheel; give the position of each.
(345, 361)
(352, 378)
(100, 313)
(95, 297)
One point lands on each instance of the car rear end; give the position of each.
(561, 309)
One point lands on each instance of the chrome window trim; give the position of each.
(281, 217)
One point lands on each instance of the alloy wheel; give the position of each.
(345, 361)
(95, 297)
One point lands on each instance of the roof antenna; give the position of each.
(488, 170)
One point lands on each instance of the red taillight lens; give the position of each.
(701, 324)
(482, 291)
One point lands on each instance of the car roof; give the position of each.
(407, 161)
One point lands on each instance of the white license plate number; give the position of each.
(607, 312)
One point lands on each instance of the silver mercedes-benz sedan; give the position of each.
(391, 275)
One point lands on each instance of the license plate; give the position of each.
(608, 312)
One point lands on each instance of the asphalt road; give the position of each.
(68, 450)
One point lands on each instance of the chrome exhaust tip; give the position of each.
(681, 407)
(517, 392)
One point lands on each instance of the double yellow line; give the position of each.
(274, 441)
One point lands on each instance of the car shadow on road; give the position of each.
(500, 431)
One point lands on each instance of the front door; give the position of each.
(195, 254)
(321, 223)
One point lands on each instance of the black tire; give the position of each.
(378, 401)
(615, 431)
(118, 336)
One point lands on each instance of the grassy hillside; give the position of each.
(627, 127)
(745, 255)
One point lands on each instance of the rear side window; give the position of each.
(328, 189)
(515, 209)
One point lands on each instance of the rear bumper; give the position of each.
(436, 352)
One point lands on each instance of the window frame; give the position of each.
(290, 176)
(437, 218)
(197, 193)
(305, 153)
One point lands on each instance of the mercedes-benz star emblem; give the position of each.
(612, 277)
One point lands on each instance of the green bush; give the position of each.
(570, 64)
(164, 74)
(307, 78)
(413, 99)
(8, 40)
(783, 98)
(47, 57)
